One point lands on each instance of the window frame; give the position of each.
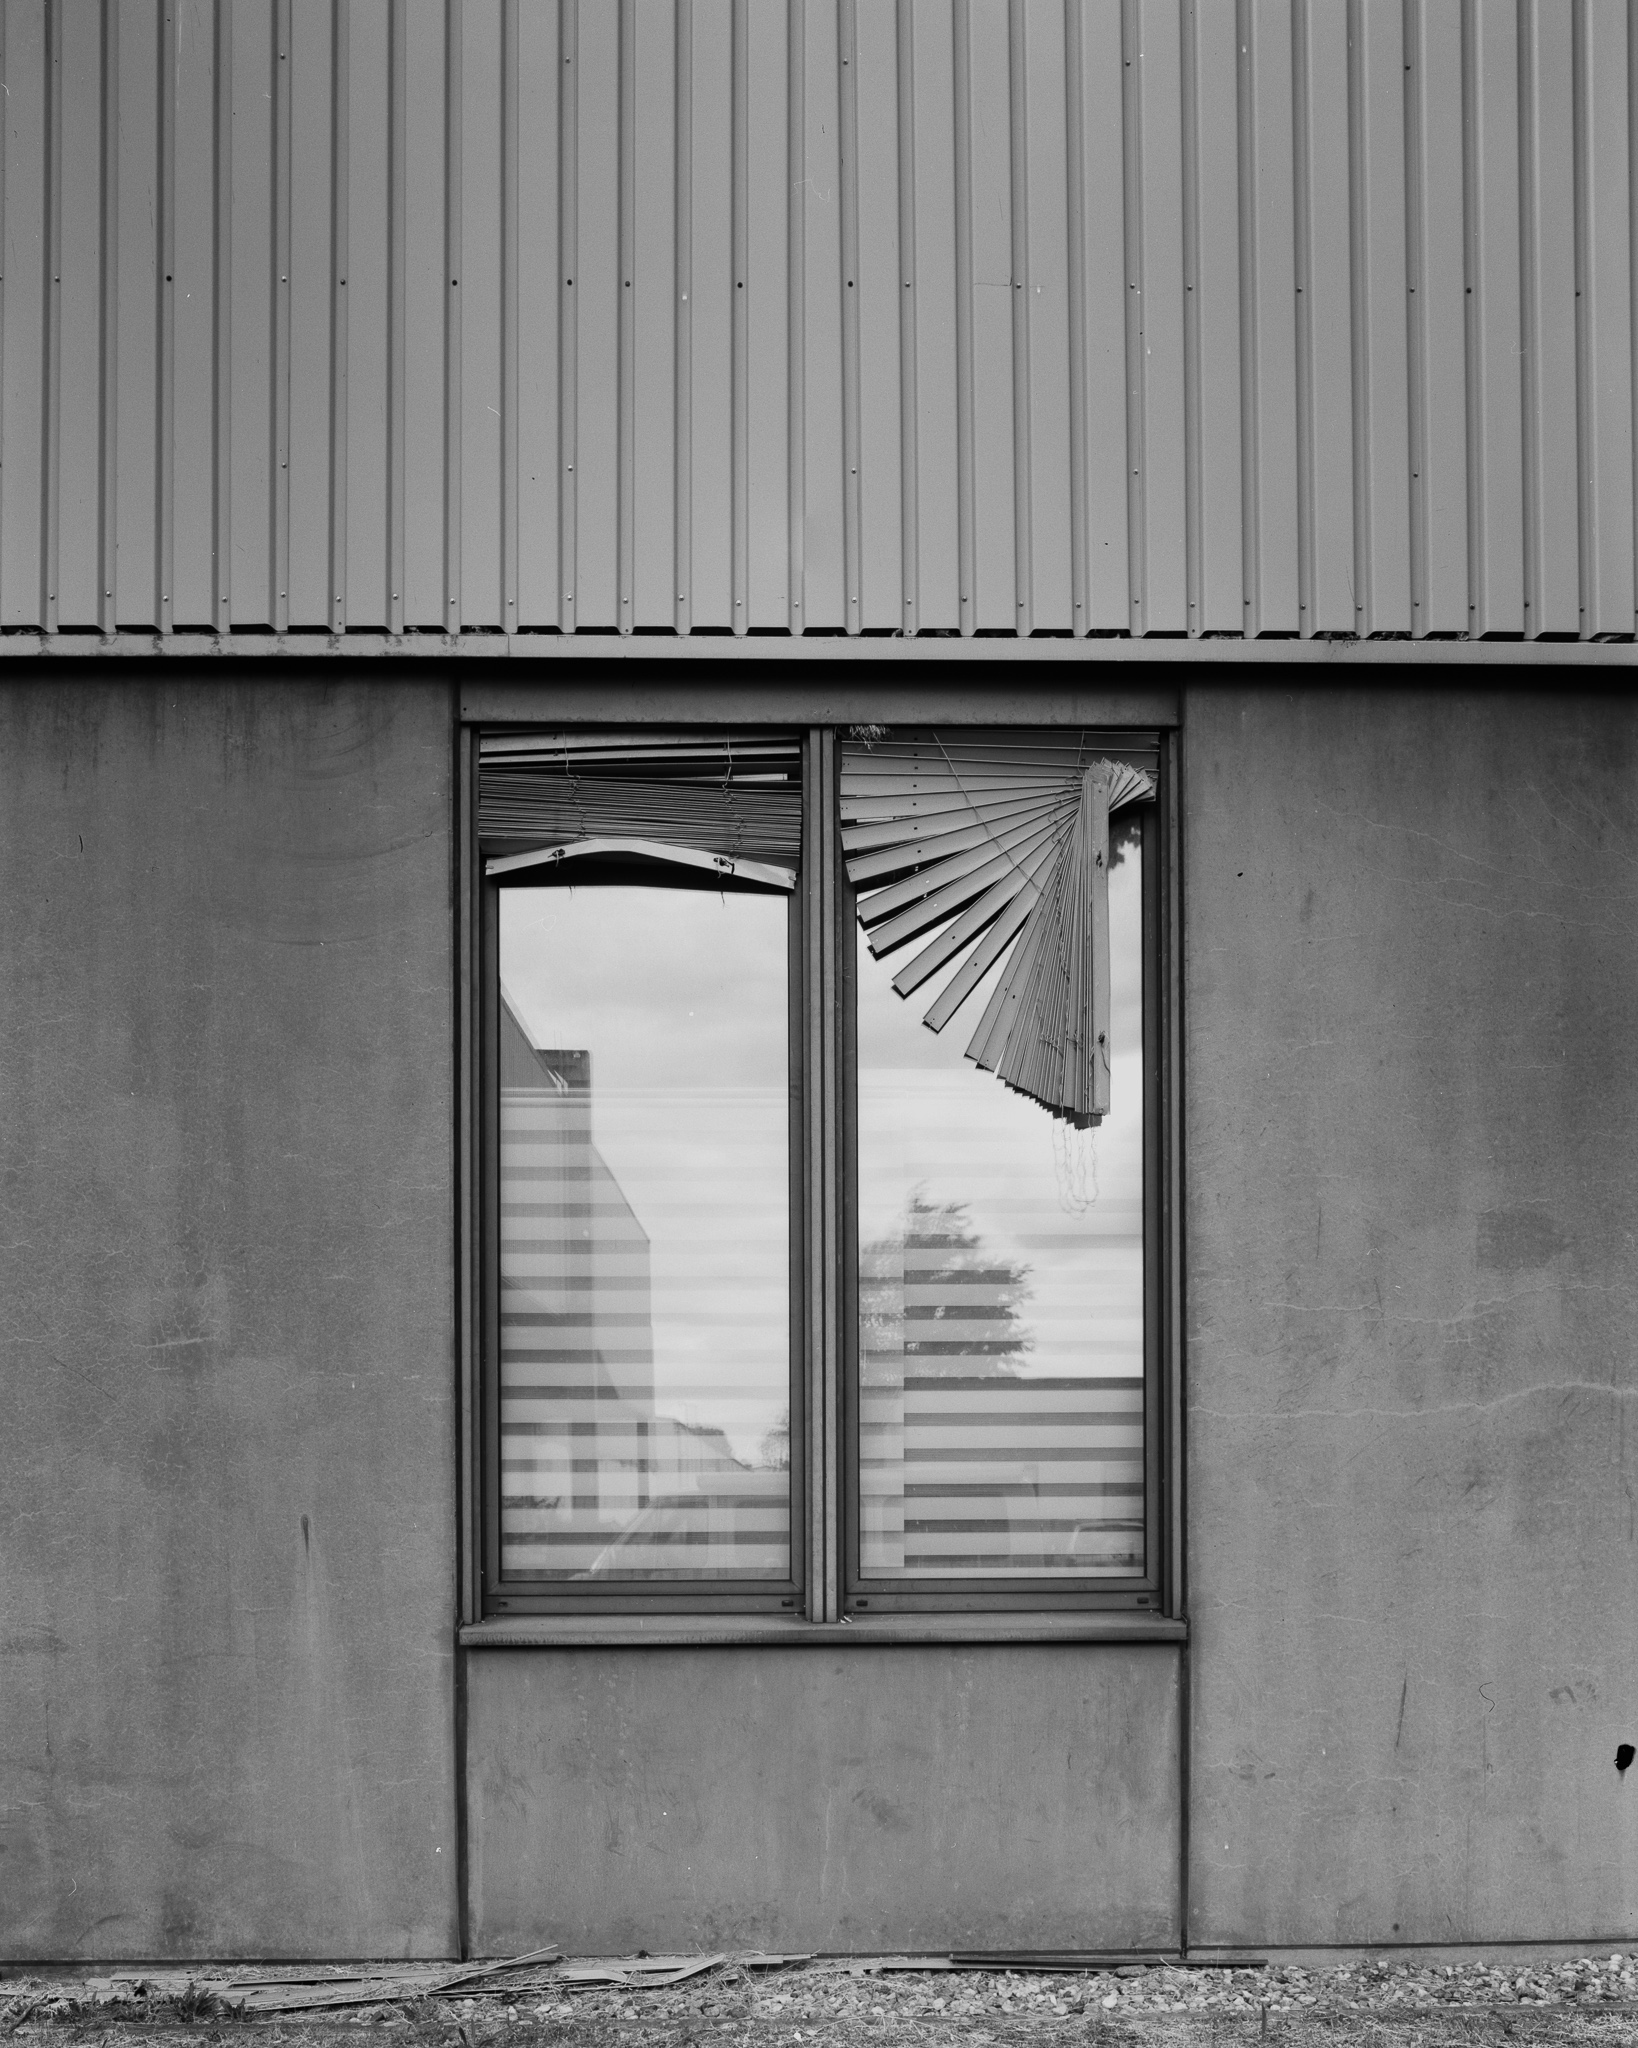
(750, 1595)
(826, 1598)
(978, 1594)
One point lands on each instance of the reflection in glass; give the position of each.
(1000, 1293)
(644, 1260)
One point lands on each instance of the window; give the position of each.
(821, 1131)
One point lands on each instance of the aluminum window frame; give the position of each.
(504, 1596)
(977, 1593)
(826, 1598)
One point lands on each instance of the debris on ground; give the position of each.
(807, 2001)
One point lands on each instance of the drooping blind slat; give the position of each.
(998, 845)
(737, 794)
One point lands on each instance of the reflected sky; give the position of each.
(680, 996)
(1067, 1204)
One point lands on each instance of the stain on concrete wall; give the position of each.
(1412, 1139)
(869, 1799)
(226, 1471)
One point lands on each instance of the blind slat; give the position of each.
(737, 795)
(1021, 823)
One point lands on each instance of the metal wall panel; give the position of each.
(1267, 317)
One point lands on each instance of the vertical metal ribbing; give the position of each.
(796, 304)
(1302, 217)
(453, 68)
(509, 316)
(52, 296)
(1530, 466)
(683, 474)
(3, 262)
(108, 308)
(165, 398)
(966, 482)
(341, 41)
(568, 326)
(1586, 539)
(739, 368)
(1415, 339)
(1473, 384)
(1250, 529)
(626, 381)
(1632, 280)
(909, 452)
(1192, 578)
(1137, 524)
(1359, 285)
(221, 366)
(397, 309)
(1018, 137)
(1075, 214)
(847, 98)
(279, 523)
(1531, 321)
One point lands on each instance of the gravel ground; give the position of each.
(828, 2002)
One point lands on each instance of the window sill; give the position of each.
(683, 1631)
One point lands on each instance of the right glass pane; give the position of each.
(1001, 1292)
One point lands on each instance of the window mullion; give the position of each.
(822, 1250)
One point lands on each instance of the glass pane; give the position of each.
(1000, 1291)
(644, 1257)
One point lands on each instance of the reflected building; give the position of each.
(583, 1452)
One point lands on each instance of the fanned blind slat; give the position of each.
(737, 794)
(995, 842)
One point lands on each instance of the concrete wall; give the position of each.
(226, 1462)
(226, 1525)
(1412, 1193)
(870, 1799)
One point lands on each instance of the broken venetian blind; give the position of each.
(1000, 1228)
(644, 1253)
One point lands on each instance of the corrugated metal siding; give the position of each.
(1006, 316)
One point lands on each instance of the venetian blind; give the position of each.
(733, 798)
(997, 845)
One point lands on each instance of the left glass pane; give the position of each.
(645, 1362)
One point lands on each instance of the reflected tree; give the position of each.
(934, 1298)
